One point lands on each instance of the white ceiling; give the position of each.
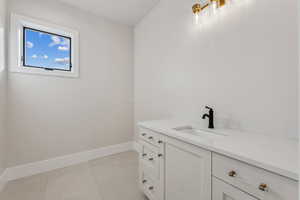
(127, 12)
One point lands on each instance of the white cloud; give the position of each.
(34, 56)
(63, 42)
(29, 44)
(63, 48)
(45, 57)
(62, 60)
(55, 41)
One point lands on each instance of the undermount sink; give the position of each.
(211, 133)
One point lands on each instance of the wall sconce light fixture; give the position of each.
(211, 5)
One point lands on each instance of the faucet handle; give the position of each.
(208, 107)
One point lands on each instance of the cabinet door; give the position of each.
(224, 191)
(187, 172)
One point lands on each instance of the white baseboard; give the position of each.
(30, 169)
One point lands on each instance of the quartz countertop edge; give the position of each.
(278, 155)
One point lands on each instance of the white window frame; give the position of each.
(16, 44)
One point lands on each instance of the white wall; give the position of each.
(51, 116)
(243, 63)
(3, 79)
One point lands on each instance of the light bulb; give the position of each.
(196, 18)
(213, 7)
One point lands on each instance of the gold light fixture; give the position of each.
(213, 5)
(196, 10)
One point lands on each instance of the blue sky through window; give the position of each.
(46, 50)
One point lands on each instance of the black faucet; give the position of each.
(210, 116)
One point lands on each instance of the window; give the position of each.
(43, 48)
(46, 50)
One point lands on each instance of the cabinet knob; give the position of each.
(263, 187)
(144, 181)
(144, 154)
(160, 142)
(232, 174)
(144, 134)
(150, 138)
(160, 155)
(151, 188)
(150, 159)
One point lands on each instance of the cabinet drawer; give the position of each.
(150, 137)
(256, 181)
(224, 191)
(150, 158)
(149, 186)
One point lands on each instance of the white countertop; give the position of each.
(278, 155)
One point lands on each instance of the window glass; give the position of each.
(46, 50)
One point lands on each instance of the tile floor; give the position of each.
(110, 178)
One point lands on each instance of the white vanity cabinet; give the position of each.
(151, 164)
(255, 181)
(172, 169)
(187, 172)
